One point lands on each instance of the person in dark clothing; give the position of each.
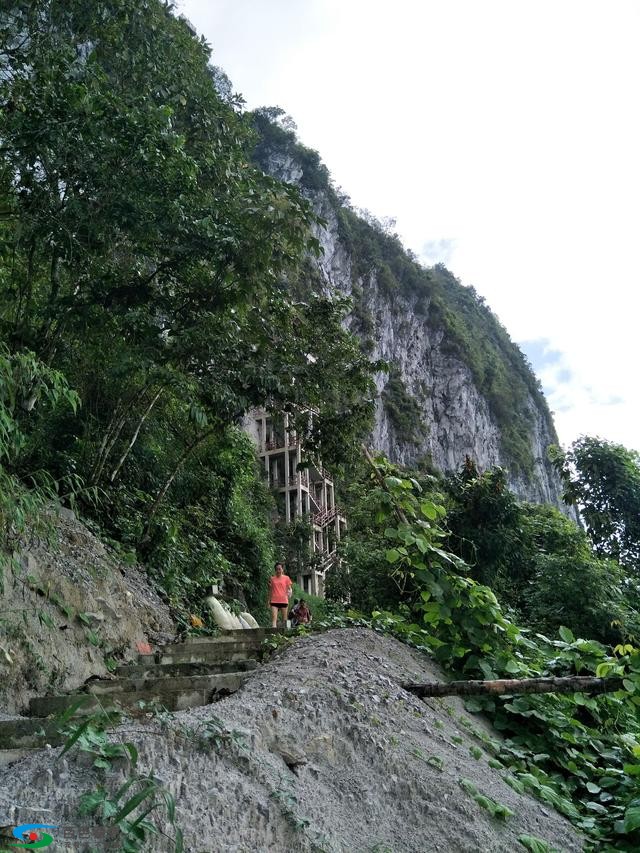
(303, 614)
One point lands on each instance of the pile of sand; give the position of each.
(328, 754)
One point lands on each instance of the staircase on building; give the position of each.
(176, 677)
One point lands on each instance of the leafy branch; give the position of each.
(130, 806)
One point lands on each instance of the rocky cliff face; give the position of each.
(437, 387)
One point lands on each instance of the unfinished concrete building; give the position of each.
(308, 493)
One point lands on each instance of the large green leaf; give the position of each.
(632, 818)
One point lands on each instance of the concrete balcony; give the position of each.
(279, 443)
(302, 479)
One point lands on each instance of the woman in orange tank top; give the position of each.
(280, 589)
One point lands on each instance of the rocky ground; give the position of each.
(321, 750)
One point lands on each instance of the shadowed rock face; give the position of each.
(320, 749)
(457, 417)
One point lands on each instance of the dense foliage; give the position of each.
(144, 260)
(580, 754)
(534, 558)
(603, 480)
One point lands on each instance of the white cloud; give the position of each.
(438, 251)
(502, 136)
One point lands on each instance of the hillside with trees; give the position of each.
(397, 304)
(156, 283)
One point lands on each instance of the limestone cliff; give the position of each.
(458, 385)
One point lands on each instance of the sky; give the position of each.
(503, 136)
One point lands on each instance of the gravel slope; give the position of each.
(330, 755)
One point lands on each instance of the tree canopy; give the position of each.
(603, 480)
(145, 258)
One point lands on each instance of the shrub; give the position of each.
(403, 410)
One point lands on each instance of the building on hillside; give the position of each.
(300, 494)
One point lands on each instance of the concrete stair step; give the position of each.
(176, 677)
(12, 756)
(171, 694)
(28, 733)
(170, 670)
(244, 640)
(211, 652)
(258, 634)
(104, 687)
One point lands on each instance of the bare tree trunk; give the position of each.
(517, 686)
(25, 290)
(47, 332)
(135, 435)
(105, 438)
(114, 428)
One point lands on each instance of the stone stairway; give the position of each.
(174, 678)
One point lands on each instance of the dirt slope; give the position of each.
(67, 606)
(332, 756)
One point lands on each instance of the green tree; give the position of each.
(535, 558)
(603, 480)
(146, 259)
(588, 594)
(484, 522)
(363, 576)
(144, 248)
